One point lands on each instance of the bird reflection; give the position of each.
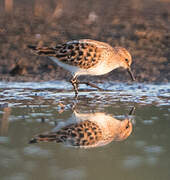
(88, 130)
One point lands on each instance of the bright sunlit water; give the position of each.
(27, 109)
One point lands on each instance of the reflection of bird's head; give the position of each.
(124, 130)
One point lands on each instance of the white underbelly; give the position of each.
(99, 69)
(68, 67)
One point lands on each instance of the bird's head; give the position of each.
(125, 60)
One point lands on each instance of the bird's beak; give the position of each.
(132, 111)
(131, 74)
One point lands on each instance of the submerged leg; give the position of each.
(74, 82)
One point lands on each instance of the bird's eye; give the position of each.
(127, 60)
(127, 126)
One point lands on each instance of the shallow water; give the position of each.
(28, 109)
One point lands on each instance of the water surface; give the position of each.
(28, 109)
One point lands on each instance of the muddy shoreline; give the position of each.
(143, 27)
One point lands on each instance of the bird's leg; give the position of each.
(91, 84)
(74, 82)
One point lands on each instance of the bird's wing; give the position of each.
(81, 53)
(83, 134)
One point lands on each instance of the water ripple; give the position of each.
(16, 92)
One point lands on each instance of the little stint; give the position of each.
(87, 57)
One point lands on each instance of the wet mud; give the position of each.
(140, 26)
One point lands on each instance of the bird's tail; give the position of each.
(51, 137)
(43, 51)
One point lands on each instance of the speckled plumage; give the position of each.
(84, 54)
(87, 57)
(88, 130)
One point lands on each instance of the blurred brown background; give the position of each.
(141, 26)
